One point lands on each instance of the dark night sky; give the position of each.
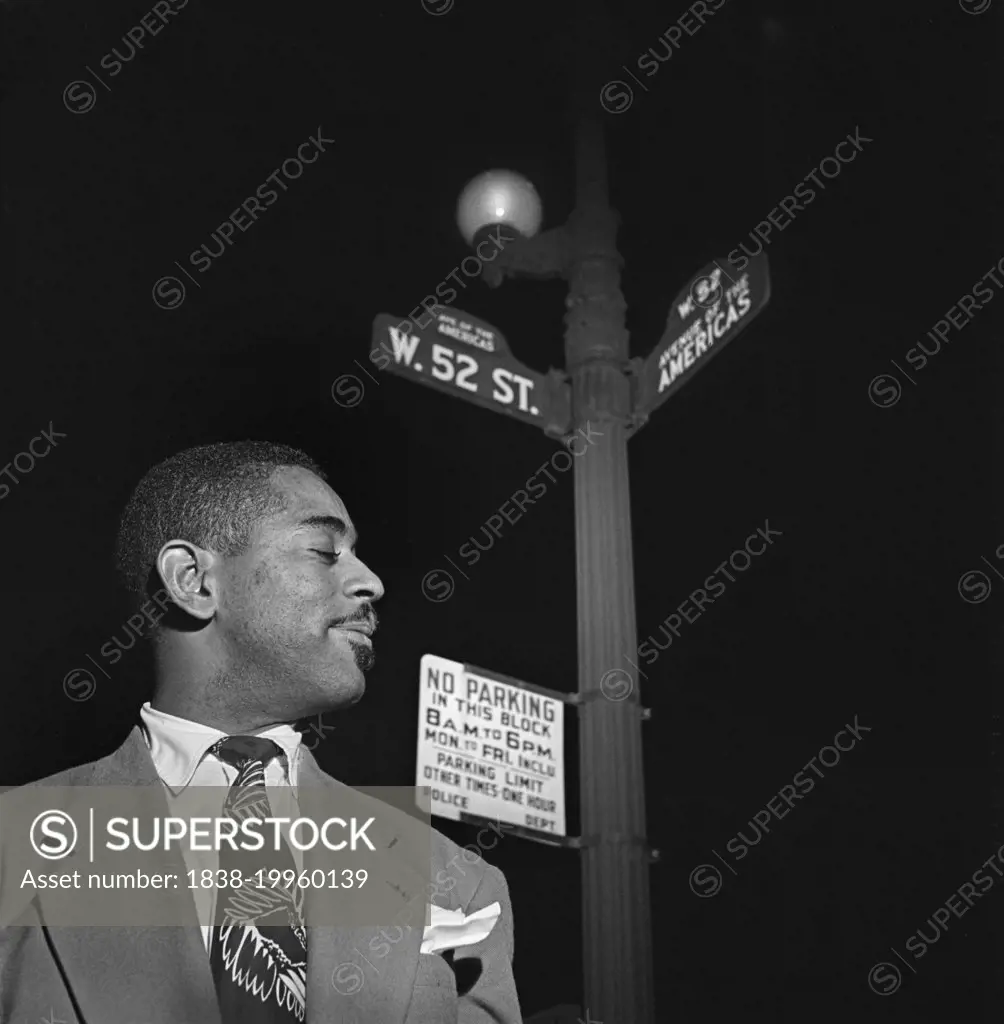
(854, 611)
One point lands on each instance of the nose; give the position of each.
(362, 584)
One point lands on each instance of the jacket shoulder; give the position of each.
(77, 775)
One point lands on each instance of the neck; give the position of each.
(192, 685)
(232, 722)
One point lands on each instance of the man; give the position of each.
(268, 620)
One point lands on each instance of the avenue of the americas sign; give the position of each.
(490, 748)
(705, 316)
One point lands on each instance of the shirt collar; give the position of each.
(178, 745)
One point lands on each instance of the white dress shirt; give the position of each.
(180, 752)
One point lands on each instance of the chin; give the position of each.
(344, 691)
(358, 690)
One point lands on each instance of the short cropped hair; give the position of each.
(212, 496)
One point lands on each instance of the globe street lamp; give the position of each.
(498, 199)
(615, 852)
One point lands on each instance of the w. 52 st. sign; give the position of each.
(463, 356)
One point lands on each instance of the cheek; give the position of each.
(298, 597)
(261, 591)
(264, 597)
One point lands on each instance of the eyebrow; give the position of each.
(334, 523)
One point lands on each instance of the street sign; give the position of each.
(460, 355)
(704, 318)
(490, 747)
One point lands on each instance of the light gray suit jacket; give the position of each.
(161, 975)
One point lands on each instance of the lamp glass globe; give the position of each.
(499, 197)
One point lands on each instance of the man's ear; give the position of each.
(190, 575)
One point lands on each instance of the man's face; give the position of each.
(287, 604)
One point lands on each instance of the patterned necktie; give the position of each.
(259, 943)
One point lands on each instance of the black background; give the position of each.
(854, 611)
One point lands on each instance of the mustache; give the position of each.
(365, 615)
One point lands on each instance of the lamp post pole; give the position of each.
(617, 935)
(615, 855)
(595, 403)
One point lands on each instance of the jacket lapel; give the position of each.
(159, 975)
(360, 973)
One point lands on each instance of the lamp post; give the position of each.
(617, 955)
(601, 388)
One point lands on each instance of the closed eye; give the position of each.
(331, 556)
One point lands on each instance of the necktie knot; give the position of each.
(238, 750)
